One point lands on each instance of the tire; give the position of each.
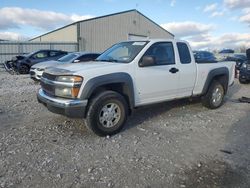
(214, 96)
(242, 81)
(102, 110)
(23, 69)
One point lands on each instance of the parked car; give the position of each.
(36, 70)
(238, 58)
(22, 64)
(223, 54)
(204, 57)
(226, 51)
(132, 74)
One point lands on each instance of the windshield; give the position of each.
(68, 57)
(30, 54)
(123, 52)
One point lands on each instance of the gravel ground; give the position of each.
(173, 144)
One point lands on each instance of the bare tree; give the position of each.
(242, 49)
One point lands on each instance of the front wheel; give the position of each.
(107, 113)
(23, 69)
(215, 95)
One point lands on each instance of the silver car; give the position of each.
(36, 70)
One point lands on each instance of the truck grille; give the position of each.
(49, 76)
(48, 88)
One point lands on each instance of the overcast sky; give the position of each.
(205, 24)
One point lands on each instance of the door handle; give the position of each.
(173, 70)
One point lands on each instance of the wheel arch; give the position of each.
(221, 75)
(119, 82)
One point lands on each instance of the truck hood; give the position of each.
(78, 67)
(45, 64)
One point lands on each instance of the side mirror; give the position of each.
(76, 61)
(147, 61)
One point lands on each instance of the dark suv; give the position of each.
(245, 72)
(22, 64)
(238, 58)
(244, 76)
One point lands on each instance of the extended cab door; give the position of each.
(159, 81)
(187, 69)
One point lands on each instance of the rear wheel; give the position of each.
(215, 95)
(107, 113)
(23, 69)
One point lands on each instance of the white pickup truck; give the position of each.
(128, 75)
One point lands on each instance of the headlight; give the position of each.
(68, 86)
(63, 92)
(67, 92)
(244, 65)
(39, 69)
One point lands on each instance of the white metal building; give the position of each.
(97, 34)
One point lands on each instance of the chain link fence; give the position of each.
(10, 49)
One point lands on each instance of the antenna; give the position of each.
(136, 6)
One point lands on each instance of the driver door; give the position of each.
(160, 81)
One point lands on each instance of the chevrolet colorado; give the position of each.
(128, 75)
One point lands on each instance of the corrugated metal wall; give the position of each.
(98, 34)
(10, 49)
(66, 34)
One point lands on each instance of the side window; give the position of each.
(54, 53)
(202, 55)
(209, 54)
(162, 52)
(184, 53)
(40, 55)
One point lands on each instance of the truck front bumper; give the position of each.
(245, 74)
(73, 108)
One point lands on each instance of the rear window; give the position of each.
(184, 53)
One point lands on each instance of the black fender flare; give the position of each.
(222, 71)
(113, 78)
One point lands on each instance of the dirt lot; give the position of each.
(174, 144)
